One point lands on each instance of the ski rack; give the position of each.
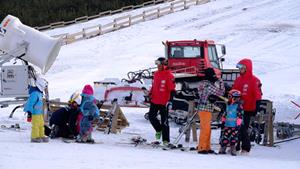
(190, 124)
(286, 130)
(265, 115)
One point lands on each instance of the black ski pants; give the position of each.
(244, 138)
(163, 124)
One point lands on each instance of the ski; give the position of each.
(172, 147)
(188, 149)
(74, 141)
(138, 141)
(14, 127)
(286, 140)
(110, 116)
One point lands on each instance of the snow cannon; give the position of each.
(41, 49)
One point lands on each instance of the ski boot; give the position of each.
(222, 150)
(81, 139)
(202, 152)
(244, 152)
(158, 135)
(233, 150)
(45, 139)
(35, 140)
(90, 139)
(54, 131)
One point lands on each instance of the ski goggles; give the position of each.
(240, 66)
(74, 98)
(158, 62)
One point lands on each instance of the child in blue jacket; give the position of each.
(89, 112)
(34, 108)
(232, 120)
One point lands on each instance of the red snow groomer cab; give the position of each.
(188, 58)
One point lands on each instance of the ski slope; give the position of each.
(267, 31)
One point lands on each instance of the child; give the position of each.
(212, 85)
(232, 120)
(89, 112)
(63, 120)
(34, 109)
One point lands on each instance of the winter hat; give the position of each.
(210, 75)
(88, 90)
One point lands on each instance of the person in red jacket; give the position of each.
(161, 93)
(250, 86)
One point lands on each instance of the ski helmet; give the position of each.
(75, 97)
(41, 83)
(234, 93)
(161, 61)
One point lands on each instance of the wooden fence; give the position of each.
(101, 14)
(128, 20)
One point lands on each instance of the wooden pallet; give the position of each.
(119, 120)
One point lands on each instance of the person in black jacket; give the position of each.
(63, 122)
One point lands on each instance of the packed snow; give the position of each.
(267, 31)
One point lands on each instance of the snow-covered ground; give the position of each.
(267, 31)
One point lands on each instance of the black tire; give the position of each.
(146, 116)
(146, 74)
(131, 76)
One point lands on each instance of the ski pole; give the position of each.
(295, 104)
(298, 107)
(185, 128)
(297, 116)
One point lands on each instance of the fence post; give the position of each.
(100, 30)
(197, 2)
(83, 33)
(115, 24)
(172, 7)
(158, 12)
(184, 5)
(144, 13)
(129, 20)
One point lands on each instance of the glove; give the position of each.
(29, 116)
(169, 105)
(238, 123)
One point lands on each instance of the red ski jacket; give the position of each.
(249, 85)
(162, 85)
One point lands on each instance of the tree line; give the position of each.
(43, 12)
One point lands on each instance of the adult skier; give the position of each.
(161, 94)
(250, 87)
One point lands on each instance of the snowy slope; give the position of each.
(267, 31)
